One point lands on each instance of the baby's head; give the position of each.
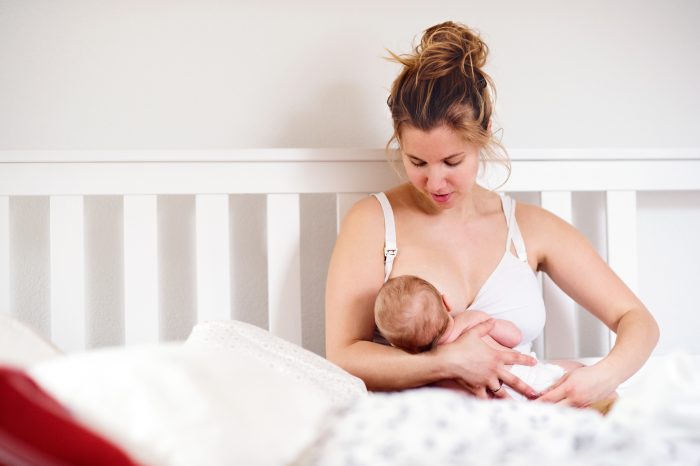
(410, 313)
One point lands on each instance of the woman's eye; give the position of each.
(453, 163)
(417, 163)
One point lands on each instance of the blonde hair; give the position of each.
(410, 314)
(442, 83)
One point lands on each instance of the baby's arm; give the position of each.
(504, 332)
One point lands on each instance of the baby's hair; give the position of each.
(410, 314)
(443, 83)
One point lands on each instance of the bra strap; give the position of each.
(390, 250)
(514, 234)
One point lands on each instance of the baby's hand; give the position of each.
(506, 333)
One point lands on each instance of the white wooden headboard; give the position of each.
(103, 248)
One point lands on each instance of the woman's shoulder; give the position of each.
(369, 209)
(358, 249)
(541, 229)
(364, 219)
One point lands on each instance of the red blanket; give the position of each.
(35, 429)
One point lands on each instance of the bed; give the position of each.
(167, 308)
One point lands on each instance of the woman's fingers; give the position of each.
(511, 357)
(481, 393)
(555, 392)
(516, 384)
(565, 402)
(501, 393)
(554, 395)
(485, 368)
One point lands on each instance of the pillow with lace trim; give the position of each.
(330, 381)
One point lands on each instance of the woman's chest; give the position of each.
(457, 261)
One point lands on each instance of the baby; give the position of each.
(412, 315)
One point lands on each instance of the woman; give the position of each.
(451, 232)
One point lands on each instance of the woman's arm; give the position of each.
(570, 260)
(356, 273)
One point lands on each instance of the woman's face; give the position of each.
(439, 163)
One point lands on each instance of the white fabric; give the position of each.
(390, 250)
(176, 406)
(539, 376)
(239, 338)
(663, 404)
(514, 234)
(656, 423)
(21, 346)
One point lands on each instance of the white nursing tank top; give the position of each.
(512, 291)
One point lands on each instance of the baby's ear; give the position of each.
(445, 303)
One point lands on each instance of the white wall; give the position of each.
(219, 74)
(162, 74)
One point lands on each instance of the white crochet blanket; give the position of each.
(656, 422)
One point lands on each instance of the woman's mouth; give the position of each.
(441, 198)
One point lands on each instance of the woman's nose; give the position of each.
(435, 180)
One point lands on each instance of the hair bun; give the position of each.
(442, 82)
(450, 46)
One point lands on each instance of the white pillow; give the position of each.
(243, 339)
(169, 405)
(20, 345)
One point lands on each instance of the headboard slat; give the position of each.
(560, 333)
(284, 266)
(621, 219)
(30, 274)
(194, 178)
(248, 252)
(213, 270)
(67, 264)
(603, 175)
(141, 319)
(81, 178)
(177, 266)
(104, 270)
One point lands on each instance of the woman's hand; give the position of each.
(580, 388)
(481, 369)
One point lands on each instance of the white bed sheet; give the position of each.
(656, 422)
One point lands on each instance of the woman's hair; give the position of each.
(443, 83)
(410, 314)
